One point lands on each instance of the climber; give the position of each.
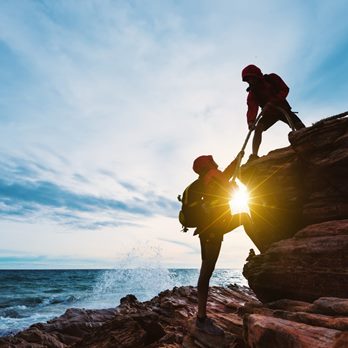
(269, 92)
(217, 220)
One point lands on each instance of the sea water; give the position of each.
(31, 296)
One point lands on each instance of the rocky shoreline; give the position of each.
(166, 321)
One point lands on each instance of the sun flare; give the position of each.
(239, 202)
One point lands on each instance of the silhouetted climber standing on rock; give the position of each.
(269, 92)
(215, 190)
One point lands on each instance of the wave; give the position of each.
(32, 301)
(63, 299)
(10, 326)
(13, 312)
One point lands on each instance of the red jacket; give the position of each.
(270, 89)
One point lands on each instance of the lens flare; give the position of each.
(239, 202)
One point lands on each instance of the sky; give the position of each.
(105, 104)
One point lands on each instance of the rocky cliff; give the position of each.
(302, 184)
(300, 209)
(299, 280)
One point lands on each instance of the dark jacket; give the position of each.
(269, 89)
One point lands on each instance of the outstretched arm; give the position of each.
(229, 171)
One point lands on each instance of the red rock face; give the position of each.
(312, 264)
(276, 189)
(323, 150)
(300, 211)
(162, 322)
(302, 184)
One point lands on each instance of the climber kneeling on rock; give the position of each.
(269, 92)
(209, 198)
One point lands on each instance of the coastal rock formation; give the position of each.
(302, 184)
(312, 264)
(300, 209)
(162, 322)
(323, 152)
(167, 321)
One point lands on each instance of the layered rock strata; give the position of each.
(167, 321)
(312, 264)
(162, 322)
(299, 185)
(300, 209)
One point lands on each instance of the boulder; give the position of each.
(312, 264)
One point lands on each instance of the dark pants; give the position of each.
(268, 119)
(211, 239)
(273, 116)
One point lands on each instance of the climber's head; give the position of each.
(251, 73)
(203, 164)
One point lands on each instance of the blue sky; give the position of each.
(105, 104)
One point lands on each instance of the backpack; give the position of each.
(275, 81)
(192, 210)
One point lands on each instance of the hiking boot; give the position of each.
(207, 326)
(252, 157)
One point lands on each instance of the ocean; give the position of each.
(31, 296)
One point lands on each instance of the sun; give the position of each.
(239, 202)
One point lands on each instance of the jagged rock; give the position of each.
(167, 321)
(275, 186)
(323, 150)
(163, 321)
(289, 323)
(299, 185)
(265, 332)
(63, 331)
(300, 209)
(312, 264)
(331, 306)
